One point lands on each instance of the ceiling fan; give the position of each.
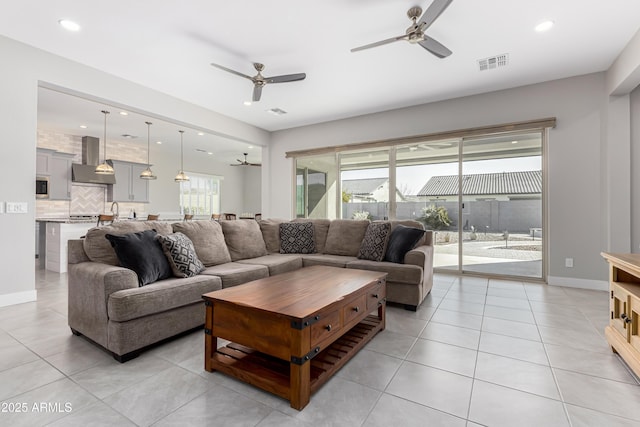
(415, 32)
(245, 162)
(259, 81)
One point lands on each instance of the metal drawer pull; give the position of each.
(626, 318)
(328, 328)
(356, 309)
(375, 295)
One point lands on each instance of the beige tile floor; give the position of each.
(478, 352)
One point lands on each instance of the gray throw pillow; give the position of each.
(374, 244)
(297, 238)
(181, 255)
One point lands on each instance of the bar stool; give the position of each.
(104, 218)
(230, 216)
(188, 217)
(153, 217)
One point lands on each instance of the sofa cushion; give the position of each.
(320, 230)
(161, 296)
(374, 242)
(277, 263)
(235, 273)
(401, 241)
(207, 239)
(325, 259)
(244, 239)
(99, 249)
(397, 273)
(181, 255)
(142, 253)
(297, 238)
(270, 229)
(345, 236)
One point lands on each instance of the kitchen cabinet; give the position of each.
(43, 161)
(128, 187)
(60, 176)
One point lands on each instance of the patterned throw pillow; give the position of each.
(374, 244)
(181, 254)
(297, 238)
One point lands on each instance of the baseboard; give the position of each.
(18, 298)
(572, 282)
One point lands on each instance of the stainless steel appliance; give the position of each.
(42, 187)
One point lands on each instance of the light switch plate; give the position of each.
(16, 207)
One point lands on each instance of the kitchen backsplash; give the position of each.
(86, 199)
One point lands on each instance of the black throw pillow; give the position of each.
(401, 241)
(142, 253)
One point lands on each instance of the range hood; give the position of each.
(86, 172)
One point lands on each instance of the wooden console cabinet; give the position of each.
(623, 332)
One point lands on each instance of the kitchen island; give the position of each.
(53, 235)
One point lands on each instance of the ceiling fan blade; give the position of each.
(286, 78)
(435, 47)
(433, 11)
(232, 71)
(257, 92)
(380, 43)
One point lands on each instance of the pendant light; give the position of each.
(105, 168)
(181, 177)
(147, 173)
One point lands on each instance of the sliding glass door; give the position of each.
(482, 195)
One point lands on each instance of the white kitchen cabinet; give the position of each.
(128, 187)
(60, 177)
(58, 235)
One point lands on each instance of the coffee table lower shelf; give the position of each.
(273, 375)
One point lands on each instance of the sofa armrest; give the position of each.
(90, 284)
(422, 256)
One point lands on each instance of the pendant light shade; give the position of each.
(181, 177)
(105, 168)
(147, 173)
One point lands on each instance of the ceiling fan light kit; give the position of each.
(415, 34)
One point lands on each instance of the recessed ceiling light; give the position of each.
(83, 126)
(200, 133)
(124, 113)
(159, 142)
(514, 142)
(209, 153)
(247, 103)
(250, 147)
(544, 26)
(69, 25)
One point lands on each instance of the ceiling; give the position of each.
(169, 45)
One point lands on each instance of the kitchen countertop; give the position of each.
(95, 220)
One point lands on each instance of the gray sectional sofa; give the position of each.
(107, 305)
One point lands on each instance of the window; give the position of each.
(200, 195)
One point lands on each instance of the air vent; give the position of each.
(493, 62)
(277, 111)
(126, 135)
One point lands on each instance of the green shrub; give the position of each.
(435, 217)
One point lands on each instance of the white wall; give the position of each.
(635, 171)
(23, 67)
(574, 174)
(252, 189)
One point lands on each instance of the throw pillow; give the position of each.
(142, 253)
(401, 241)
(297, 238)
(375, 241)
(181, 255)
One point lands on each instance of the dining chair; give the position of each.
(229, 216)
(258, 216)
(215, 217)
(151, 217)
(188, 217)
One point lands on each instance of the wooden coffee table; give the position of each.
(291, 332)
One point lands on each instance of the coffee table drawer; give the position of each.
(328, 325)
(354, 309)
(376, 295)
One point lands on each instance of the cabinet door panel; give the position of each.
(139, 187)
(121, 188)
(60, 179)
(619, 310)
